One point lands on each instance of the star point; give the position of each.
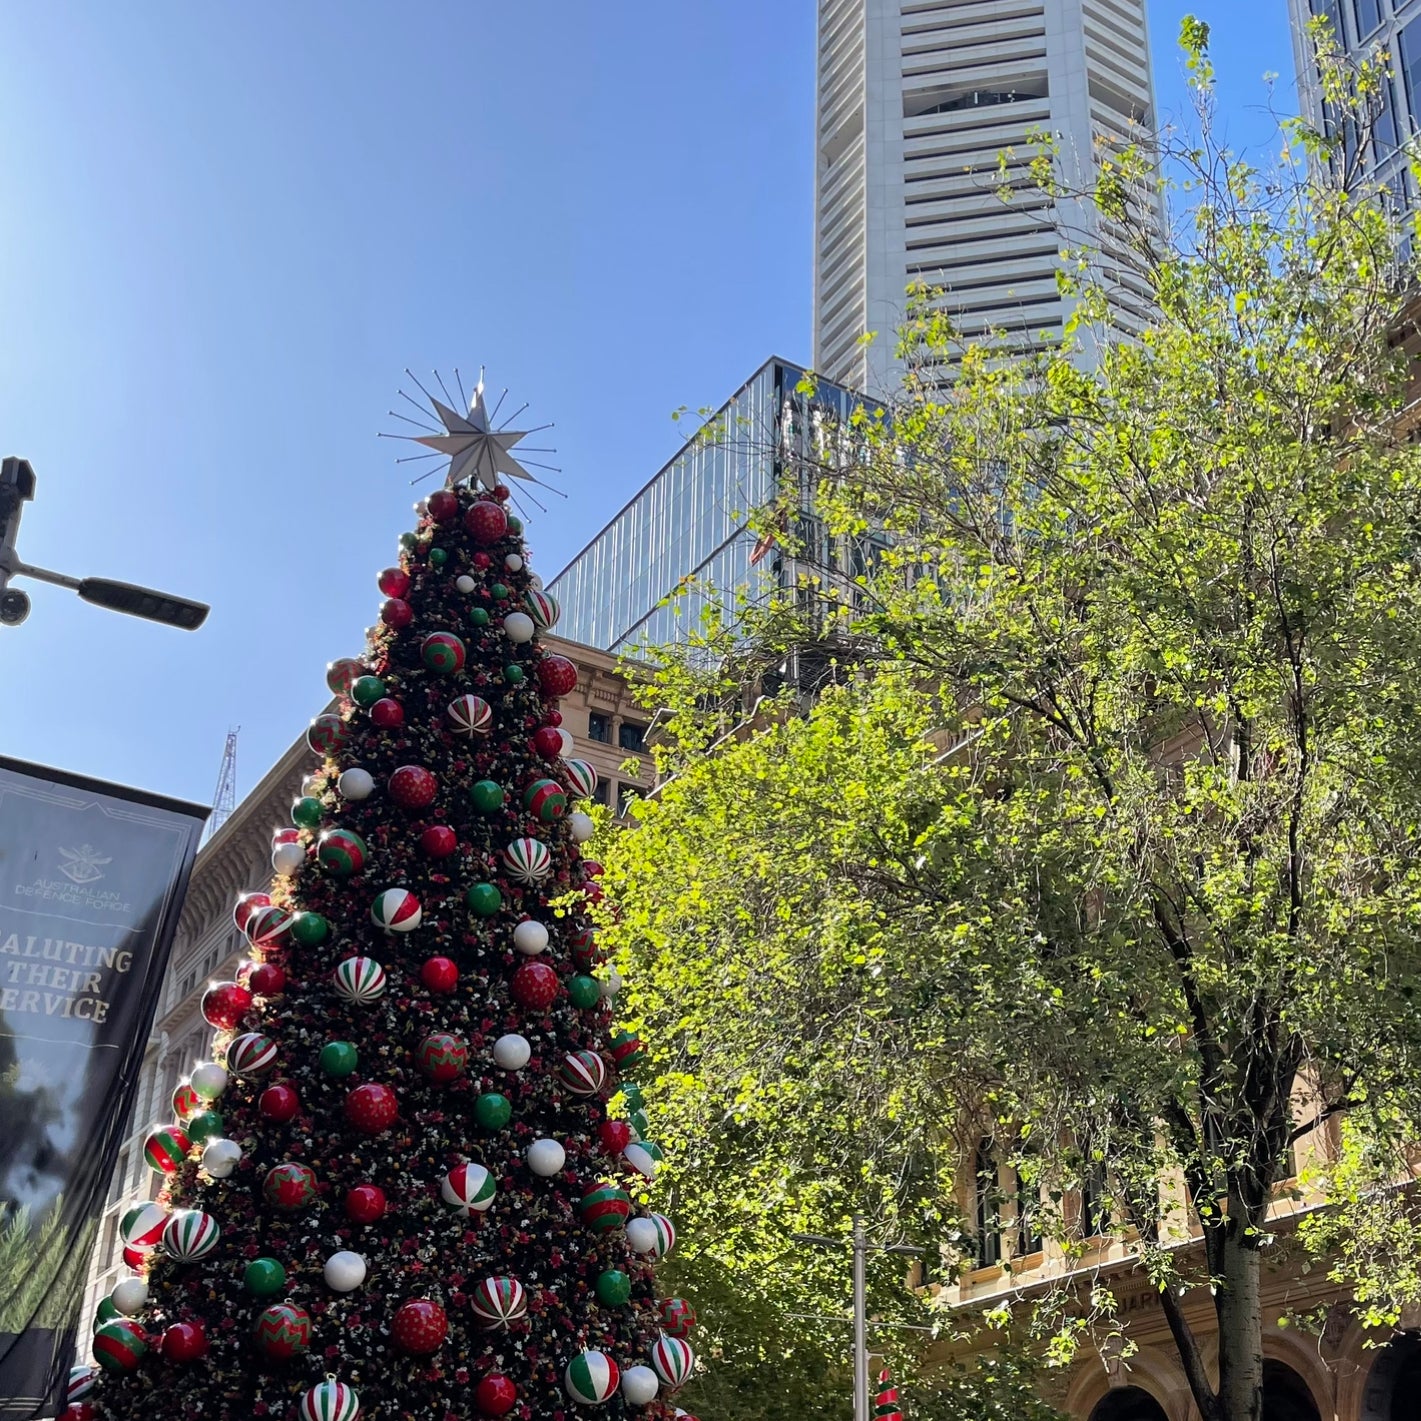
(477, 454)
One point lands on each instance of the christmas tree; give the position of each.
(400, 1190)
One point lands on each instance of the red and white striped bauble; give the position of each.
(672, 1361)
(468, 1189)
(498, 1301)
(581, 778)
(330, 1400)
(583, 1072)
(396, 910)
(267, 926)
(470, 716)
(542, 607)
(189, 1235)
(142, 1226)
(251, 1054)
(528, 860)
(359, 979)
(591, 1377)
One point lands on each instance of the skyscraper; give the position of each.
(917, 100)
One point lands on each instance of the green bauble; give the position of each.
(613, 1287)
(339, 1058)
(366, 690)
(492, 1110)
(631, 1093)
(438, 557)
(500, 591)
(310, 929)
(515, 523)
(307, 813)
(487, 795)
(264, 1276)
(408, 541)
(106, 1313)
(478, 616)
(514, 675)
(205, 1125)
(638, 1121)
(584, 991)
(484, 899)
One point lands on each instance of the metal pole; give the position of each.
(860, 1325)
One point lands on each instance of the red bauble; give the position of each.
(184, 1342)
(439, 974)
(397, 613)
(535, 985)
(592, 891)
(394, 582)
(592, 869)
(547, 742)
(439, 841)
(486, 522)
(413, 786)
(371, 1108)
(365, 1203)
(224, 1005)
(279, 1102)
(552, 717)
(419, 1326)
(556, 675)
(496, 1395)
(387, 714)
(501, 493)
(267, 980)
(135, 1258)
(443, 505)
(246, 905)
(482, 561)
(615, 1135)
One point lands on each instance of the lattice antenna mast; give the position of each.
(224, 799)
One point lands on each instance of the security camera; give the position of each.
(14, 606)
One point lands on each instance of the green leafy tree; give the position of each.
(1099, 835)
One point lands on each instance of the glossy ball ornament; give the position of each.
(499, 591)
(367, 690)
(289, 1186)
(442, 1057)
(388, 714)
(130, 1296)
(221, 1157)
(120, 1345)
(557, 676)
(496, 1394)
(355, 784)
(268, 927)
(279, 1103)
(486, 796)
(604, 1208)
(142, 1226)
(584, 991)
(224, 1005)
(186, 1101)
(518, 628)
(585, 951)
(493, 1111)
(396, 910)
(513, 675)
(652, 1235)
(251, 1054)
(483, 899)
(341, 852)
(443, 653)
(486, 522)
(439, 974)
(582, 826)
(527, 860)
(339, 1058)
(371, 1108)
(535, 985)
(439, 841)
(583, 1072)
(591, 1377)
(438, 557)
(268, 979)
(288, 859)
(627, 1050)
(413, 787)
(545, 1157)
(478, 616)
(189, 1235)
(672, 1360)
(183, 1342)
(344, 1271)
(678, 1317)
(614, 1287)
(498, 1301)
(568, 743)
(468, 1189)
(81, 1383)
(166, 1150)
(513, 563)
(365, 1203)
(545, 800)
(246, 905)
(327, 733)
(512, 1052)
(330, 1400)
(639, 1386)
(393, 582)
(283, 1330)
(204, 1126)
(464, 583)
(581, 778)
(443, 505)
(542, 607)
(340, 675)
(614, 1136)
(469, 716)
(396, 613)
(547, 742)
(107, 1312)
(530, 937)
(359, 979)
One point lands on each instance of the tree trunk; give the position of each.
(1239, 1308)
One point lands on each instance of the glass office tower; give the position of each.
(689, 524)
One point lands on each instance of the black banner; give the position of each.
(92, 877)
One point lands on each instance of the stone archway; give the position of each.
(1393, 1388)
(1286, 1396)
(1128, 1403)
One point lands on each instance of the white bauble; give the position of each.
(611, 984)
(209, 1079)
(639, 1385)
(313, 786)
(220, 1157)
(344, 1271)
(512, 1052)
(569, 745)
(640, 1160)
(546, 1157)
(421, 508)
(356, 784)
(582, 826)
(530, 937)
(287, 859)
(465, 583)
(130, 1297)
(641, 1235)
(535, 582)
(519, 627)
(513, 563)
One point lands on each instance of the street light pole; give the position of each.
(860, 1325)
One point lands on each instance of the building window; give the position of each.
(1409, 46)
(631, 736)
(599, 727)
(988, 1199)
(1095, 1217)
(601, 791)
(1367, 15)
(625, 794)
(1028, 1217)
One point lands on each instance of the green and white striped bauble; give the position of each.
(498, 1301)
(542, 607)
(468, 1189)
(330, 1400)
(581, 778)
(190, 1235)
(359, 979)
(528, 860)
(591, 1377)
(672, 1361)
(251, 1054)
(396, 910)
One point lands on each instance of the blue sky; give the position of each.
(228, 229)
